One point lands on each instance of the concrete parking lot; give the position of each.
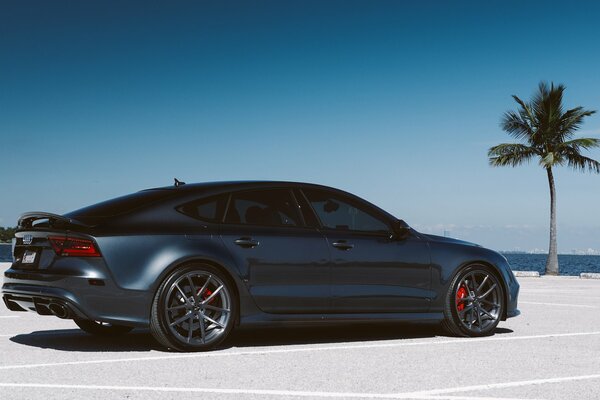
(552, 351)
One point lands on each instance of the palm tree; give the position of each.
(547, 135)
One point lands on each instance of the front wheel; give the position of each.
(194, 309)
(474, 303)
(102, 328)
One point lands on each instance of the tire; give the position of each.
(194, 309)
(102, 328)
(474, 303)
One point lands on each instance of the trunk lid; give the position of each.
(35, 243)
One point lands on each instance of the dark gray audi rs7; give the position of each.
(192, 262)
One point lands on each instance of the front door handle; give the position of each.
(246, 242)
(342, 245)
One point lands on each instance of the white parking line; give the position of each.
(505, 385)
(261, 392)
(305, 348)
(467, 398)
(558, 304)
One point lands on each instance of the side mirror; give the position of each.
(401, 230)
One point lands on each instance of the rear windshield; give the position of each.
(121, 205)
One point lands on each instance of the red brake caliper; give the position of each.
(461, 293)
(207, 293)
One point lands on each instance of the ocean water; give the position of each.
(568, 264)
(5, 252)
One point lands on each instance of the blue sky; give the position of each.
(395, 101)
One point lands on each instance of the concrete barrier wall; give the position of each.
(526, 274)
(589, 275)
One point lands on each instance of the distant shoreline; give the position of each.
(525, 253)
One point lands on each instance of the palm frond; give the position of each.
(516, 126)
(576, 145)
(571, 121)
(525, 112)
(579, 162)
(549, 110)
(512, 154)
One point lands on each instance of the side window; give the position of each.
(209, 209)
(337, 212)
(274, 207)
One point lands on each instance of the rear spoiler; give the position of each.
(54, 220)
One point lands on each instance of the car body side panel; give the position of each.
(380, 274)
(136, 262)
(287, 272)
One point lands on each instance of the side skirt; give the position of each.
(264, 319)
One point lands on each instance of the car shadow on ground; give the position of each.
(337, 334)
(77, 340)
(357, 332)
(142, 341)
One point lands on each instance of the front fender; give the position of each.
(447, 258)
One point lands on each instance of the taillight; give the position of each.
(64, 246)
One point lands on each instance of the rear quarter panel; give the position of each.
(139, 263)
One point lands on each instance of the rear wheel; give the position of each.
(194, 309)
(474, 303)
(102, 328)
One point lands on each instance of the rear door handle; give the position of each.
(342, 245)
(246, 242)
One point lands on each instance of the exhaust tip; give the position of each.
(59, 310)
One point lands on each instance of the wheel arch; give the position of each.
(229, 275)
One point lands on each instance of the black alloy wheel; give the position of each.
(194, 309)
(474, 303)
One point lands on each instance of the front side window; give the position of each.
(274, 207)
(340, 213)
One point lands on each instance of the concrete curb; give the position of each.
(589, 275)
(535, 274)
(526, 274)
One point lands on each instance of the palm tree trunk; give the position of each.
(552, 262)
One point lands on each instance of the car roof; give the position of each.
(234, 185)
(226, 186)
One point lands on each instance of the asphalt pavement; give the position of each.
(551, 351)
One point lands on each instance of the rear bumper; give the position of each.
(50, 303)
(86, 294)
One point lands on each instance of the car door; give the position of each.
(284, 263)
(372, 272)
